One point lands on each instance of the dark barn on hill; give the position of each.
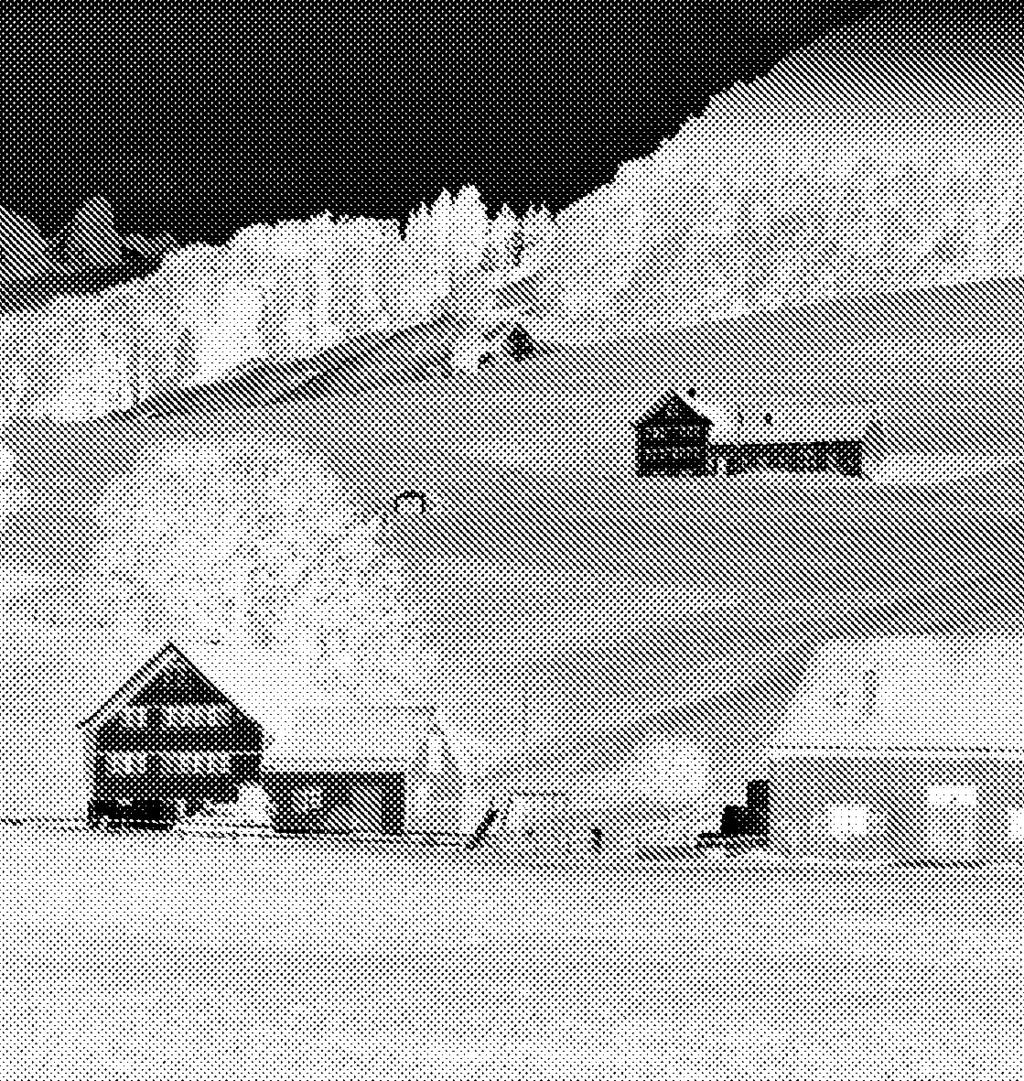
(166, 743)
(672, 440)
(680, 437)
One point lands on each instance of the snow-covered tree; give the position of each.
(263, 546)
(419, 270)
(503, 248)
(538, 226)
(468, 236)
(442, 242)
(474, 348)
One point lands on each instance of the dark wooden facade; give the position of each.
(166, 743)
(844, 457)
(325, 800)
(672, 440)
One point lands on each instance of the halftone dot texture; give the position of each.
(376, 485)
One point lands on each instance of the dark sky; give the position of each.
(201, 121)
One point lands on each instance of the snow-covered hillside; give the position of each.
(883, 157)
(306, 959)
(91, 336)
(575, 620)
(856, 191)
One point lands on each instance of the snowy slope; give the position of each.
(580, 617)
(899, 169)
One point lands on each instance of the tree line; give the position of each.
(708, 228)
(273, 292)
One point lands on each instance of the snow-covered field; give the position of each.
(162, 958)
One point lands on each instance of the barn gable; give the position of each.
(167, 678)
(672, 409)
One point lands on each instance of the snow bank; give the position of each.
(930, 469)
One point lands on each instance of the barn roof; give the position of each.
(670, 406)
(170, 657)
(910, 692)
(787, 420)
(335, 764)
(348, 739)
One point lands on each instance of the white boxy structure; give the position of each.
(907, 748)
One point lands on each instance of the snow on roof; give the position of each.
(953, 692)
(302, 725)
(326, 764)
(793, 420)
(347, 737)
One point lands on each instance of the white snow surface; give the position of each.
(132, 957)
(945, 691)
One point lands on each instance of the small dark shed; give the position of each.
(346, 795)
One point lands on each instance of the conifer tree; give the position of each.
(537, 230)
(518, 344)
(504, 243)
(468, 238)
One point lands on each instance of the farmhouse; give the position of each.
(685, 437)
(907, 748)
(319, 781)
(170, 742)
(167, 742)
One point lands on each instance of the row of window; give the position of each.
(846, 820)
(309, 799)
(671, 454)
(187, 716)
(683, 431)
(796, 460)
(136, 763)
